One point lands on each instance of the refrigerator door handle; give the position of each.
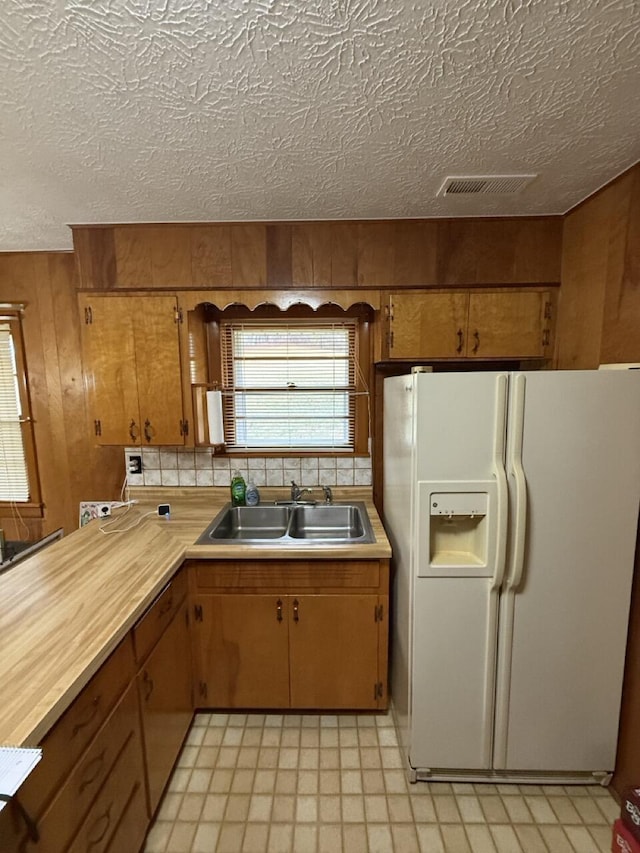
(502, 494)
(516, 471)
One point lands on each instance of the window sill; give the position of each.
(26, 510)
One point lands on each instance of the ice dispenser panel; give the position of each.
(458, 528)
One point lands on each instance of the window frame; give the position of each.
(33, 506)
(362, 420)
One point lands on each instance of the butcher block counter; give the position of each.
(63, 611)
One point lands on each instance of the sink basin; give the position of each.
(326, 522)
(250, 522)
(290, 525)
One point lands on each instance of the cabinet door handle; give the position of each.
(96, 764)
(106, 817)
(93, 710)
(134, 432)
(149, 431)
(148, 684)
(165, 607)
(460, 335)
(279, 610)
(476, 338)
(296, 605)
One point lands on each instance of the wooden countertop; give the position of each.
(64, 610)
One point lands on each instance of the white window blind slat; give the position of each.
(289, 385)
(14, 479)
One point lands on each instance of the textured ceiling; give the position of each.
(180, 110)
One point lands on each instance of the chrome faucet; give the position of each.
(328, 494)
(297, 492)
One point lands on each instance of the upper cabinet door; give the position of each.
(110, 369)
(158, 369)
(424, 324)
(506, 324)
(131, 357)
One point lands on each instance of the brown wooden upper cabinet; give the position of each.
(469, 324)
(131, 356)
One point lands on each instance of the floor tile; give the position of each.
(323, 783)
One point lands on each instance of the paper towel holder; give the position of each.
(202, 425)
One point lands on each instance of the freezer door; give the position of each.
(453, 673)
(563, 626)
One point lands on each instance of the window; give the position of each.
(18, 480)
(290, 383)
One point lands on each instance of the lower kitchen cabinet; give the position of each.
(241, 651)
(165, 690)
(316, 638)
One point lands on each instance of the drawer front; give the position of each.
(67, 740)
(286, 574)
(132, 828)
(108, 809)
(154, 622)
(62, 819)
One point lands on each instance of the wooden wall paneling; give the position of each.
(456, 252)
(54, 465)
(248, 254)
(494, 243)
(95, 254)
(376, 253)
(133, 250)
(621, 322)
(170, 255)
(279, 255)
(311, 254)
(210, 255)
(538, 250)
(584, 272)
(344, 254)
(415, 253)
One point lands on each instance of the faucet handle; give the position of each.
(328, 494)
(296, 491)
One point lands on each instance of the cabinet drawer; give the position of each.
(133, 825)
(154, 622)
(286, 574)
(65, 743)
(60, 822)
(108, 809)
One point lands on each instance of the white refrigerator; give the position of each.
(511, 503)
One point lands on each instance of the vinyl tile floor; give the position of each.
(271, 783)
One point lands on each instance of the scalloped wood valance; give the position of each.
(282, 299)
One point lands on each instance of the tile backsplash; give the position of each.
(180, 466)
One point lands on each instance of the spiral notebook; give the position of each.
(15, 765)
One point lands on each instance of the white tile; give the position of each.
(186, 460)
(135, 479)
(275, 477)
(221, 477)
(220, 463)
(362, 462)
(152, 477)
(150, 457)
(204, 478)
(344, 463)
(274, 463)
(345, 477)
(187, 477)
(203, 459)
(168, 460)
(170, 477)
(362, 477)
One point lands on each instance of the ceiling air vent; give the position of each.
(485, 184)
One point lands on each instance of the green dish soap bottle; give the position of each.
(238, 489)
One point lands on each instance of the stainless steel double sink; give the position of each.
(291, 524)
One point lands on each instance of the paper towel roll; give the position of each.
(214, 416)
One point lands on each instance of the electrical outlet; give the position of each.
(94, 509)
(134, 463)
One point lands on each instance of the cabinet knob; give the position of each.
(279, 610)
(149, 431)
(460, 335)
(296, 605)
(134, 432)
(476, 338)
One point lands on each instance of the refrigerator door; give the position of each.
(460, 445)
(563, 622)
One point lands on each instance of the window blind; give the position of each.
(14, 480)
(289, 384)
